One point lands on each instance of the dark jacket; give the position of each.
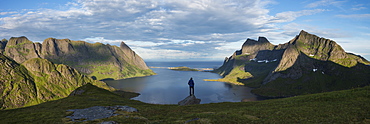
(191, 83)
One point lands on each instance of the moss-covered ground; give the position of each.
(347, 106)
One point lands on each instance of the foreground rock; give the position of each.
(190, 100)
(97, 112)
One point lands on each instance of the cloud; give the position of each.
(154, 28)
(358, 8)
(140, 19)
(7, 13)
(325, 3)
(292, 15)
(355, 16)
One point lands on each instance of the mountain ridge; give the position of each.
(265, 66)
(95, 60)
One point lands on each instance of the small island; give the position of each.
(183, 68)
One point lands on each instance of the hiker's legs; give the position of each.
(190, 91)
(193, 90)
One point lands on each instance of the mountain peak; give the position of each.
(252, 46)
(263, 40)
(18, 40)
(124, 46)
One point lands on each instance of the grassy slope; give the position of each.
(254, 75)
(331, 107)
(101, 62)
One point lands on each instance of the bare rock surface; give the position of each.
(190, 100)
(97, 112)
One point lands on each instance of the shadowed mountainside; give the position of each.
(96, 60)
(38, 80)
(306, 64)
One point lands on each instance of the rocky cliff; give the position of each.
(306, 64)
(3, 43)
(95, 60)
(37, 80)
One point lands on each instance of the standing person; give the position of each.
(191, 86)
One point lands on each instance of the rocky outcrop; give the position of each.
(38, 80)
(252, 46)
(95, 60)
(97, 112)
(190, 100)
(305, 64)
(20, 49)
(3, 43)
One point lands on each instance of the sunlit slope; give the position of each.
(306, 64)
(95, 60)
(38, 80)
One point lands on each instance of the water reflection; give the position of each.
(170, 87)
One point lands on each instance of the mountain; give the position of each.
(3, 42)
(304, 65)
(38, 80)
(96, 60)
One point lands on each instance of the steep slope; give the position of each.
(3, 43)
(306, 64)
(17, 86)
(38, 80)
(20, 49)
(96, 60)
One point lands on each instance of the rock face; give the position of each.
(3, 43)
(97, 112)
(37, 80)
(190, 100)
(95, 60)
(306, 64)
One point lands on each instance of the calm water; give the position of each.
(170, 87)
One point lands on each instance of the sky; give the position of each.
(188, 30)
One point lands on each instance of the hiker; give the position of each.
(191, 86)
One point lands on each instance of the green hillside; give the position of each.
(347, 106)
(38, 80)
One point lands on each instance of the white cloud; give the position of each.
(292, 15)
(142, 20)
(153, 28)
(325, 3)
(358, 8)
(164, 54)
(7, 13)
(356, 16)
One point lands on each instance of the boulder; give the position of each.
(190, 100)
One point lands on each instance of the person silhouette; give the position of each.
(191, 86)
